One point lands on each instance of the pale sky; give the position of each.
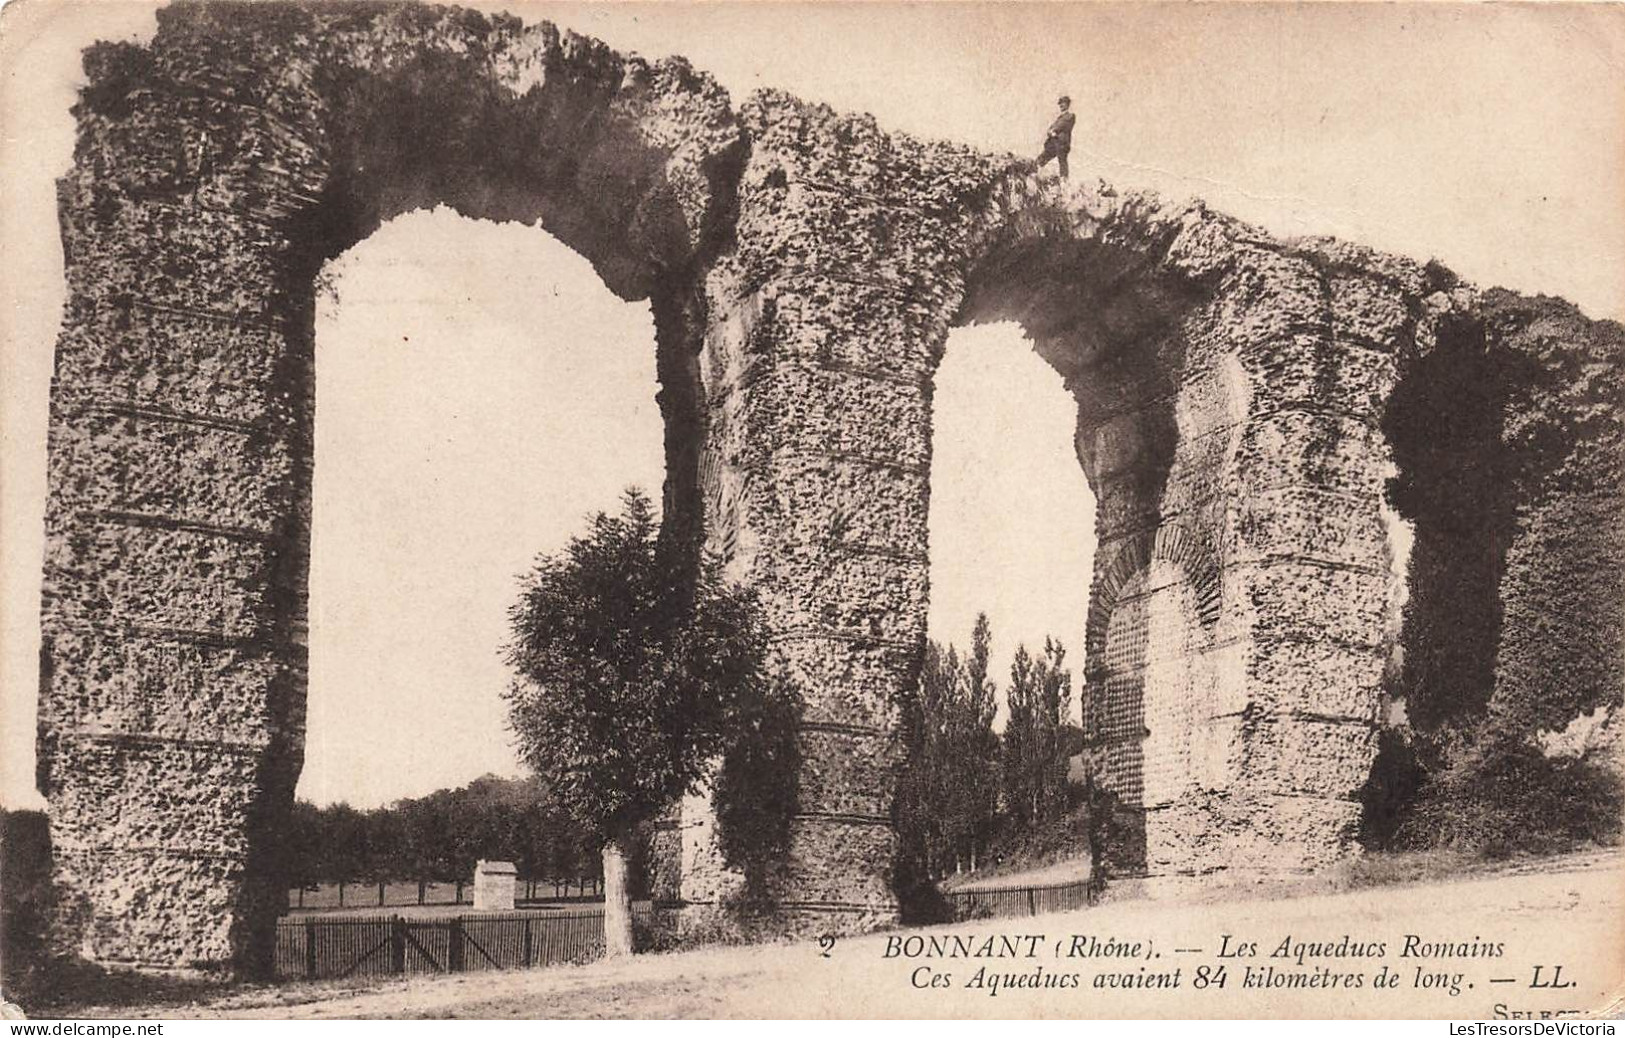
(468, 386)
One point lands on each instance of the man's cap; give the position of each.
(1063, 100)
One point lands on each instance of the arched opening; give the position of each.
(1011, 539)
(478, 391)
(1154, 427)
(1012, 515)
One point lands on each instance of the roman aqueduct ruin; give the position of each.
(1236, 400)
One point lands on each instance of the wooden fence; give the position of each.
(400, 894)
(1019, 901)
(315, 948)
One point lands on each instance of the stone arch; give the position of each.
(804, 269)
(1172, 544)
(216, 169)
(1207, 360)
(1153, 714)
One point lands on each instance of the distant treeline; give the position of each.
(437, 838)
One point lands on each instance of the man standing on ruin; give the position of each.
(1058, 142)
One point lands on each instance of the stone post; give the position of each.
(494, 885)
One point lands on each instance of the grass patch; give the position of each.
(1396, 868)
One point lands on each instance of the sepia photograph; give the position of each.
(864, 510)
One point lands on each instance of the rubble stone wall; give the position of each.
(804, 268)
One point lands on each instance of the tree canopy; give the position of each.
(633, 659)
(638, 669)
(948, 796)
(966, 790)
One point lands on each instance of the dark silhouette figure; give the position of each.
(1058, 142)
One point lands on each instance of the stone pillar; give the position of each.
(1307, 559)
(1239, 621)
(173, 656)
(494, 885)
(826, 323)
(1159, 639)
(1258, 623)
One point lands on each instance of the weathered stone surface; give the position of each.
(1342, 752)
(1259, 834)
(1302, 371)
(1320, 677)
(1235, 417)
(1308, 523)
(159, 687)
(1329, 452)
(174, 363)
(150, 906)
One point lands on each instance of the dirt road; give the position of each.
(1466, 949)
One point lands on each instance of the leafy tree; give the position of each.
(346, 839)
(386, 847)
(431, 839)
(948, 793)
(758, 786)
(977, 747)
(304, 851)
(632, 660)
(1052, 744)
(537, 829)
(926, 790)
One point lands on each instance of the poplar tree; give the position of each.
(1020, 798)
(979, 748)
(1039, 703)
(1053, 685)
